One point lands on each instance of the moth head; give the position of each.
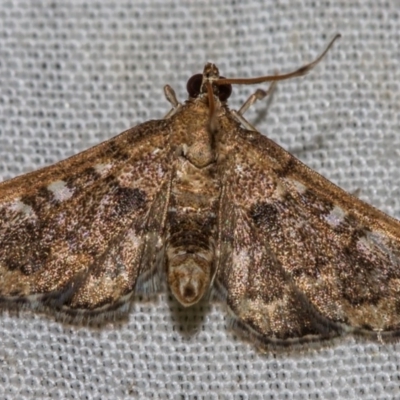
(197, 84)
(188, 278)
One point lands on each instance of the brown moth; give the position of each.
(203, 201)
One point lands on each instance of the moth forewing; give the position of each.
(83, 251)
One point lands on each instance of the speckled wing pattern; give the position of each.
(76, 235)
(301, 259)
(203, 202)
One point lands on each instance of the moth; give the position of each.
(204, 202)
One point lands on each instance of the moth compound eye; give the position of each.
(193, 85)
(224, 91)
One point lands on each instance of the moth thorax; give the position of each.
(188, 277)
(200, 154)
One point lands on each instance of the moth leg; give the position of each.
(171, 97)
(243, 121)
(259, 94)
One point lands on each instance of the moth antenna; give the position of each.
(271, 78)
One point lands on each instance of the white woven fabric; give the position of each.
(73, 74)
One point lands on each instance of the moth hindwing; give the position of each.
(203, 201)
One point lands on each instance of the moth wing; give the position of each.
(76, 235)
(300, 259)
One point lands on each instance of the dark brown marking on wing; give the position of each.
(312, 203)
(265, 214)
(41, 200)
(116, 151)
(123, 200)
(286, 168)
(79, 182)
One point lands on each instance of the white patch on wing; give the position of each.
(60, 190)
(239, 169)
(363, 243)
(279, 192)
(20, 207)
(335, 217)
(160, 171)
(240, 258)
(301, 189)
(377, 242)
(102, 169)
(133, 239)
(373, 241)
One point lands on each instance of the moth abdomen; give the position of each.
(189, 274)
(190, 252)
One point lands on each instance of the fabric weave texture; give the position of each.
(73, 74)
